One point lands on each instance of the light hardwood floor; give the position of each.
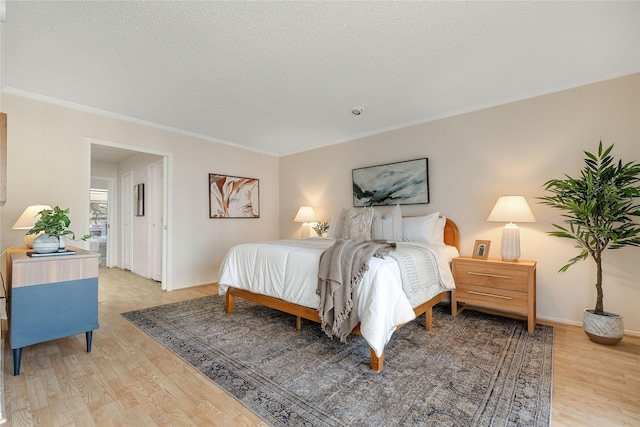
(130, 380)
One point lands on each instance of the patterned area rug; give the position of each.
(472, 370)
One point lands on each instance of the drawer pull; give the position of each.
(488, 295)
(489, 275)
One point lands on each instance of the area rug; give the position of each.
(472, 370)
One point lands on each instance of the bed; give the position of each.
(283, 275)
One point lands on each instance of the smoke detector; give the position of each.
(356, 111)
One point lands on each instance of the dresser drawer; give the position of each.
(492, 276)
(503, 299)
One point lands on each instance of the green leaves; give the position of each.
(321, 227)
(599, 205)
(598, 208)
(53, 222)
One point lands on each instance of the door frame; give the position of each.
(152, 211)
(167, 190)
(126, 225)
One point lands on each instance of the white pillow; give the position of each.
(438, 230)
(357, 224)
(335, 226)
(420, 228)
(388, 227)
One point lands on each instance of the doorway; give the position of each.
(99, 219)
(113, 161)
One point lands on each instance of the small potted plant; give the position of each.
(53, 224)
(320, 228)
(598, 208)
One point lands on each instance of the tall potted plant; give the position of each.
(598, 208)
(53, 224)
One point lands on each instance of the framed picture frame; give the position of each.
(403, 183)
(138, 197)
(233, 196)
(481, 249)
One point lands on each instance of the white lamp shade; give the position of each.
(27, 220)
(511, 209)
(305, 214)
(29, 217)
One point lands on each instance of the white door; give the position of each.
(127, 219)
(155, 221)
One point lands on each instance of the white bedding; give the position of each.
(288, 270)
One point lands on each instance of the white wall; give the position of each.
(475, 158)
(102, 169)
(2, 62)
(47, 163)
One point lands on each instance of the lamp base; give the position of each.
(510, 245)
(305, 231)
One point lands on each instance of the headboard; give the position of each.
(451, 234)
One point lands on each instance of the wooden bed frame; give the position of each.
(451, 237)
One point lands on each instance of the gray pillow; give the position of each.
(357, 224)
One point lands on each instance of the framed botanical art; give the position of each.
(233, 197)
(403, 183)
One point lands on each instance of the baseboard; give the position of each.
(552, 320)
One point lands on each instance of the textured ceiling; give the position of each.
(282, 77)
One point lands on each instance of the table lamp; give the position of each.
(27, 220)
(511, 209)
(305, 215)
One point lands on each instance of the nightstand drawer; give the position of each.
(502, 299)
(490, 275)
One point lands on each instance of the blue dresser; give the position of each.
(50, 298)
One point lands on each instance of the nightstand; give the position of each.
(50, 297)
(496, 287)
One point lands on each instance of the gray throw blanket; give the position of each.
(339, 274)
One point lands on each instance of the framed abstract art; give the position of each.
(403, 183)
(233, 197)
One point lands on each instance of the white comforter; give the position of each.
(288, 270)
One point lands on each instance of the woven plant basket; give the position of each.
(607, 329)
